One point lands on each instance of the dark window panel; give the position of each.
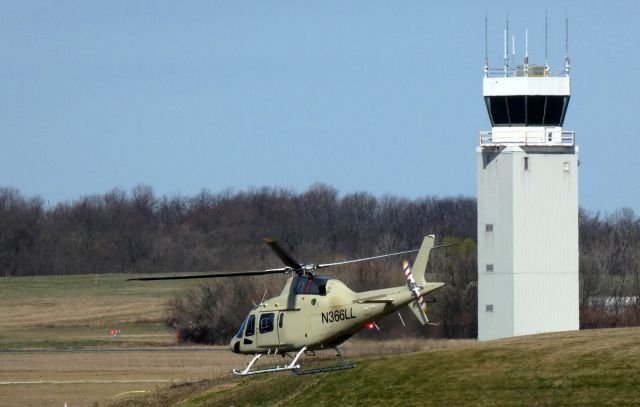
(554, 114)
(535, 110)
(498, 110)
(526, 110)
(516, 105)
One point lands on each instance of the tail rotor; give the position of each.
(419, 306)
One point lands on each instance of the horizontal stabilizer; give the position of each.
(375, 299)
(380, 301)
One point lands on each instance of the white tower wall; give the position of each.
(527, 240)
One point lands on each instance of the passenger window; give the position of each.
(281, 319)
(251, 326)
(266, 323)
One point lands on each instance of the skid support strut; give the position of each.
(291, 366)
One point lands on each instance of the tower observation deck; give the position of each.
(527, 109)
(527, 168)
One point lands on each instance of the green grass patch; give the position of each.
(587, 368)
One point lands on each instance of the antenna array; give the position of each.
(509, 61)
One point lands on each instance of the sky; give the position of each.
(377, 96)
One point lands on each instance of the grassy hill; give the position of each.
(595, 367)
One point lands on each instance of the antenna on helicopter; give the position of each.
(401, 320)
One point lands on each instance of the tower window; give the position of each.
(566, 166)
(490, 268)
(527, 110)
(489, 308)
(526, 163)
(488, 227)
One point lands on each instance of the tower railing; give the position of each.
(524, 70)
(529, 138)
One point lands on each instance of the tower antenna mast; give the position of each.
(513, 49)
(546, 40)
(506, 49)
(567, 61)
(486, 48)
(526, 46)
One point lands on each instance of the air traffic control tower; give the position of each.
(527, 204)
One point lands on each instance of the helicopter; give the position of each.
(315, 312)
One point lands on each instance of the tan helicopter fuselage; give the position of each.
(316, 312)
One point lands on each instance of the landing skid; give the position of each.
(342, 366)
(293, 366)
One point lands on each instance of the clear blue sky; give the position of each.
(384, 97)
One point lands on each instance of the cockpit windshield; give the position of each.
(241, 330)
(244, 324)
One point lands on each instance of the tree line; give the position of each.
(139, 232)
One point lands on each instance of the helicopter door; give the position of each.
(268, 329)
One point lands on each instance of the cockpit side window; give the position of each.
(251, 326)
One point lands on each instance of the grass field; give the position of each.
(590, 368)
(142, 367)
(63, 312)
(105, 376)
(73, 311)
(40, 316)
(85, 378)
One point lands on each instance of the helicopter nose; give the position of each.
(234, 345)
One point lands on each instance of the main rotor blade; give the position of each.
(365, 259)
(284, 256)
(215, 275)
(446, 245)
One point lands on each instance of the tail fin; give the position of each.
(419, 312)
(420, 265)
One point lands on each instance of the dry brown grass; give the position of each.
(85, 378)
(82, 378)
(72, 310)
(78, 311)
